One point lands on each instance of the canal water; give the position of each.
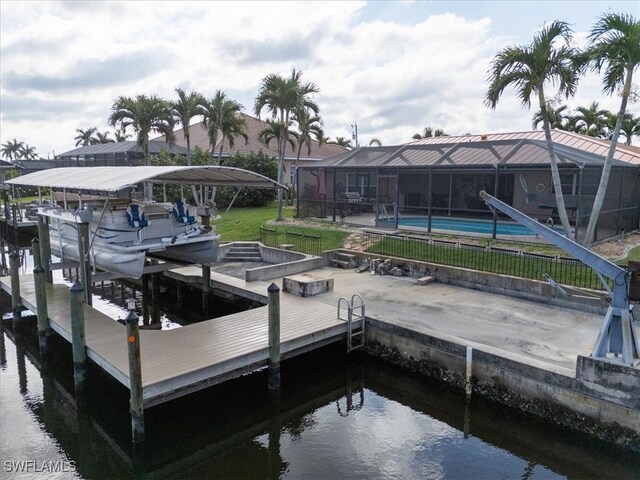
(339, 416)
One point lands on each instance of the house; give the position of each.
(198, 137)
(434, 183)
(127, 153)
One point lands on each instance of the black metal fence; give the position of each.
(291, 239)
(561, 270)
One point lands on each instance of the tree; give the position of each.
(101, 137)
(27, 152)
(84, 137)
(614, 45)
(630, 127)
(528, 68)
(281, 96)
(590, 120)
(342, 141)
(144, 115)
(11, 149)
(375, 142)
(187, 106)
(309, 124)
(121, 136)
(428, 132)
(558, 117)
(272, 132)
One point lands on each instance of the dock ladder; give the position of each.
(355, 314)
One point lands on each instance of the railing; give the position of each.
(296, 241)
(562, 270)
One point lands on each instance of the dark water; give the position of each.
(339, 416)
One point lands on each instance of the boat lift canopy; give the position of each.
(114, 179)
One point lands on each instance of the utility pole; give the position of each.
(354, 133)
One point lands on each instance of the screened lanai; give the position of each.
(433, 185)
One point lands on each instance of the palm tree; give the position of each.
(375, 142)
(558, 117)
(630, 127)
(428, 132)
(145, 115)
(121, 136)
(528, 68)
(232, 125)
(184, 109)
(84, 137)
(102, 137)
(281, 96)
(11, 149)
(615, 46)
(590, 120)
(309, 124)
(342, 141)
(272, 132)
(28, 153)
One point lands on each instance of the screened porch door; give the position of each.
(386, 211)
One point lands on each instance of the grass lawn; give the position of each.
(633, 256)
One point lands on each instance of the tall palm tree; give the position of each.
(27, 152)
(84, 137)
(281, 96)
(429, 132)
(630, 127)
(272, 132)
(614, 45)
(558, 117)
(342, 141)
(187, 106)
(11, 149)
(144, 115)
(101, 137)
(590, 120)
(528, 68)
(121, 136)
(309, 124)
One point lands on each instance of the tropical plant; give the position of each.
(428, 132)
(630, 127)
(272, 132)
(11, 149)
(84, 137)
(101, 137)
(528, 68)
(559, 118)
(27, 152)
(614, 45)
(144, 115)
(590, 120)
(281, 96)
(261, 163)
(121, 136)
(309, 124)
(187, 106)
(342, 141)
(375, 142)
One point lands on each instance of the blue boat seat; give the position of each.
(182, 215)
(136, 218)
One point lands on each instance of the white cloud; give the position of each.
(393, 68)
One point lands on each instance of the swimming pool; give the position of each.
(468, 225)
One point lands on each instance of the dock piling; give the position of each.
(469, 371)
(78, 341)
(43, 314)
(85, 268)
(274, 338)
(16, 302)
(206, 288)
(135, 374)
(45, 247)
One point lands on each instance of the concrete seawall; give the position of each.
(609, 410)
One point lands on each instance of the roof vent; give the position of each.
(484, 137)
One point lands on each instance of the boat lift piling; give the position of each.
(135, 374)
(83, 254)
(274, 339)
(45, 247)
(78, 340)
(16, 303)
(41, 300)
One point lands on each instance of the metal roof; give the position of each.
(113, 179)
(517, 149)
(124, 147)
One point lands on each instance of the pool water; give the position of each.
(468, 225)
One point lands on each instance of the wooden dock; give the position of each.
(183, 360)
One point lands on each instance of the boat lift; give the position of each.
(617, 341)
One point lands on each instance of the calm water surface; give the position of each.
(338, 417)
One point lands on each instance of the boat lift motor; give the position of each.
(617, 340)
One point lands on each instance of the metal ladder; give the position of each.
(355, 313)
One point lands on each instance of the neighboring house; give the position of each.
(29, 166)
(127, 153)
(4, 166)
(199, 138)
(434, 183)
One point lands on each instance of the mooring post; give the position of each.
(85, 268)
(43, 314)
(45, 247)
(206, 219)
(274, 338)
(469, 371)
(14, 214)
(206, 288)
(135, 374)
(16, 303)
(78, 342)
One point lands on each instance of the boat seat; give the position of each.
(182, 215)
(135, 217)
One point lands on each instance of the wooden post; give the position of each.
(45, 247)
(135, 377)
(14, 214)
(85, 268)
(78, 341)
(16, 302)
(43, 314)
(155, 298)
(469, 371)
(274, 338)
(206, 220)
(206, 288)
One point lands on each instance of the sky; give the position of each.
(391, 68)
